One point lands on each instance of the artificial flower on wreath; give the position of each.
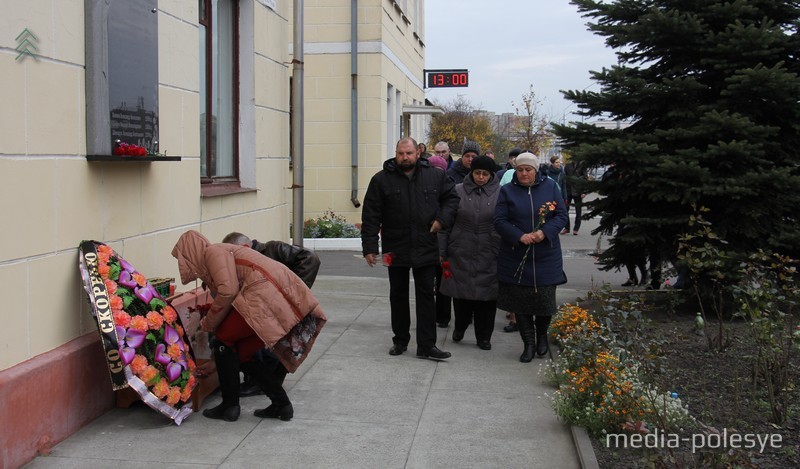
(153, 347)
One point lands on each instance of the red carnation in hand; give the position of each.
(387, 259)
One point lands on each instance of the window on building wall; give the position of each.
(219, 90)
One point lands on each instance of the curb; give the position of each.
(584, 447)
(332, 244)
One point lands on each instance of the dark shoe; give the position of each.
(433, 353)
(225, 411)
(397, 349)
(575, 232)
(484, 345)
(541, 345)
(527, 354)
(564, 231)
(457, 335)
(630, 283)
(274, 411)
(443, 325)
(511, 327)
(645, 279)
(248, 388)
(527, 331)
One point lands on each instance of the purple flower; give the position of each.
(126, 280)
(125, 266)
(172, 368)
(129, 339)
(145, 293)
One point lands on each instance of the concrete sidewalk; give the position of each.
(358, 407)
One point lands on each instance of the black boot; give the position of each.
(248, 387)
(271, 381)
(228, 372)
(528, 333)
(542, 323)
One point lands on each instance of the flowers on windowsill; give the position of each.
(128, 149)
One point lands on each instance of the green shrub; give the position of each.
(330, 225)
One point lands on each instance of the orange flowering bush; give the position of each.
(597, 388)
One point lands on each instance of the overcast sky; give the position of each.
(508, 45)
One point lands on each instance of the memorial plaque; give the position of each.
(133, 72)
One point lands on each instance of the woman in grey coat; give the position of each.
(469, 254)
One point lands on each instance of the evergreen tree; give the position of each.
(711, 90)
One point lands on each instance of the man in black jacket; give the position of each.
(408, 202)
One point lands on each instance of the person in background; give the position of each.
(408, 202)
(442, 301)
(257, 303)
(505, 174)
(470, 249)
(304, 263)
(577, 177)
(464, 164)
(556, 172)
(438, 162)
(423, 151)
(443, 149)
(529, 215)
(495, 167)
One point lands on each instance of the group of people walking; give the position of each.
(464, 235)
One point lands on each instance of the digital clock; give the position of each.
(447, 78)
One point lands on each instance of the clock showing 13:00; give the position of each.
(447, 78)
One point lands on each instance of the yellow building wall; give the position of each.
(389, 54)
(53, 197)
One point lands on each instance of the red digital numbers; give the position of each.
(448, 79)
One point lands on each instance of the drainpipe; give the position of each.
(354, 103)
(298, 139)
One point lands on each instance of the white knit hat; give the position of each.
(529, 159)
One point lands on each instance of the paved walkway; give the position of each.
(357, 407)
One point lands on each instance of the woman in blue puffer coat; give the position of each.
(529, 215)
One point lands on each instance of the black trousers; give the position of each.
(442, 301)
(578, 202)
(425, 304)
(482, 313)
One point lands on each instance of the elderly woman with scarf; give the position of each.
(258, 302)
(529, 216)
(469, 251)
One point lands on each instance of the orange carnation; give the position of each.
(116, 303)
(174, 351)
(179, 330)
(139, 323)
(103, 257)
(174, 395)
(103, 249)
(139, 364)
(111, 286)
(149, 374)
(104, 269)
(154, 320)
(140, 279)
(121, 318)
(186, 394)
(170, 315)
(191, 365)
(161, 389)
